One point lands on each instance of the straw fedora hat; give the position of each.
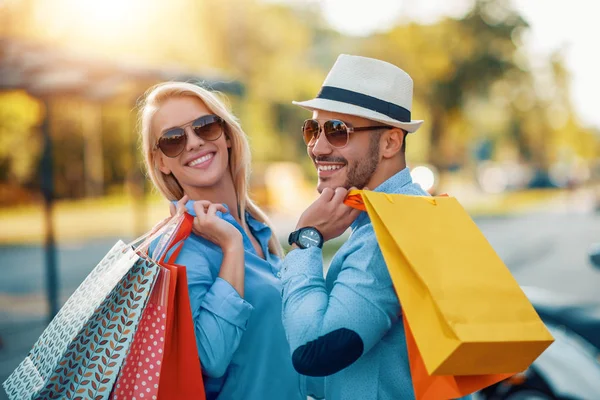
(368, 88)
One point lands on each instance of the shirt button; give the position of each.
(279, 274)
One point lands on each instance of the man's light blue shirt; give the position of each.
(356, 300)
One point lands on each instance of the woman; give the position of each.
(197, 155)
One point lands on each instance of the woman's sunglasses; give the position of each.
(337, 132)
(172, 142)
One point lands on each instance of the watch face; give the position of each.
(309, 238)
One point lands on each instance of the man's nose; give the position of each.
(321, 145)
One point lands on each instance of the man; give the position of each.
(348, 327)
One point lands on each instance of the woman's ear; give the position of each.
(393, 141)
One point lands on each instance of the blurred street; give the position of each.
(545, 249)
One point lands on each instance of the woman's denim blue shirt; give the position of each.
(241, 341)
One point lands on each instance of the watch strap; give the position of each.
(293, 238)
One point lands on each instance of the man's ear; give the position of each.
(393, 139)
(160, 162)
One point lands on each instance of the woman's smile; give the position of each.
(202, 161)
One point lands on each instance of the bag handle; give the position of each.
(176, 239)
(142, 243)
(354, 199)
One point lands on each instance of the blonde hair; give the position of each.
(239, 159)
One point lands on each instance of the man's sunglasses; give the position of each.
(173, 142)
(337, 132)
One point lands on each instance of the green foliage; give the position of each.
(20, 142)
(472, 85)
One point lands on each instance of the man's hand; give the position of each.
(329, 214)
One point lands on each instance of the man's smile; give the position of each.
(328, 169)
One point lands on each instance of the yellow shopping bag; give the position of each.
(466, 312)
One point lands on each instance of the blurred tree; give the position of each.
(267, 46)
(450, 62)
(473, 83)
(20, 144)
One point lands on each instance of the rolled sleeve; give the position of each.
(304, 295)
(224, 301)
(220, 314)
(351, 317)
(302, 262)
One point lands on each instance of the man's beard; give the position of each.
(360, 172)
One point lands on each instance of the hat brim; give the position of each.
(349, 109)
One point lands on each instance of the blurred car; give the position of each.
(570, 368)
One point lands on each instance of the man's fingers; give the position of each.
(348, 213)
(354, 213)
(339, 195)
(327, 194)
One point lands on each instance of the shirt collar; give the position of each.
(255, 225)
(394, 184)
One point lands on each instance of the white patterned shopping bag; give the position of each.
(31, 375)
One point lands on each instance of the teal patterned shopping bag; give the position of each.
(80, 352)
(89, 367)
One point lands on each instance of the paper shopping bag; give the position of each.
(467, 313)
(33, 373)
(140, 373)
(429, 387)
(181, 374)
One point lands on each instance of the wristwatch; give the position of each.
(306, 237)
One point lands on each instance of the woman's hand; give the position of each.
(209, 226)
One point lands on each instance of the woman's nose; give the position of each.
(193, 140)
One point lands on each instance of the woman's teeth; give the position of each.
(329, 167)
(201, 159)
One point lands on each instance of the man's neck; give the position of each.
(385, 170)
